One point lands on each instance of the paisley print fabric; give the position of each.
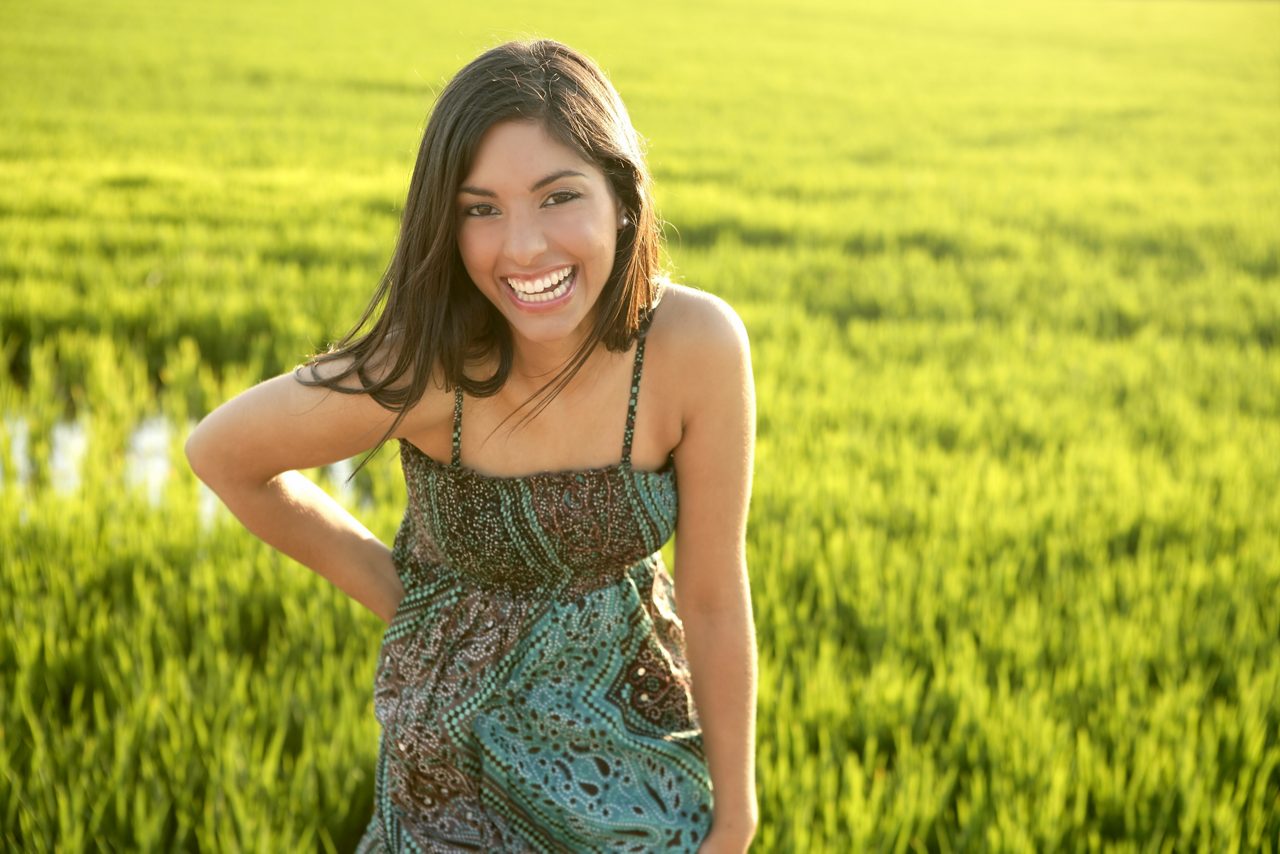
(532, 687)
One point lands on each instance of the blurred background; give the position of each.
(1012, 279)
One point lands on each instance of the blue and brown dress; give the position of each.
(532, 688)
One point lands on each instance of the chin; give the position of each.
(550, 330)
(552, 321)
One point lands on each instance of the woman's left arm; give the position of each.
(713, 596)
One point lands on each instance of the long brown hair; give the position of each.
(425, 311)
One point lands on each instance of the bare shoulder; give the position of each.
(702, 358)
(696, 321)
(335, 368)
(434, 405)
(701, 331)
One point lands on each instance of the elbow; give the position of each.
(216, 453)
(198, 454)
(718, 597)
(209, 457)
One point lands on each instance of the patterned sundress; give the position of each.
(532, 687)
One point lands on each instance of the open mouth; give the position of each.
(545, 288)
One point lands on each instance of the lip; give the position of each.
(549, 305)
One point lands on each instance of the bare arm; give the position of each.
(249, 450)
(714, 461)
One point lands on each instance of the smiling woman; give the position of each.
(537, 687)
(541, 245)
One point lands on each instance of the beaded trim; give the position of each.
(629, 433)
(456, 460)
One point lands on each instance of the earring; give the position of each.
(626, 221)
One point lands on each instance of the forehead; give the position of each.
(515, 154)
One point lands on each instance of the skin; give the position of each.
(696, 402)
(531, 205)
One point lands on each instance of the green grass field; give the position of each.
(1012, 277)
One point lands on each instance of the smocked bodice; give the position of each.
(559, 533)
(554, 533)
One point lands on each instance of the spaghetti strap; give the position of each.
(629, 433)
(456, 461)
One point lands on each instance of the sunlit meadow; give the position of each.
(1012, 277)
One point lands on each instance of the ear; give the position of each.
(623, 219)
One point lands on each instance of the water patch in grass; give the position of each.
(147, 457)
(70, 442)
(148, 465)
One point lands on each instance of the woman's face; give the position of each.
(538, 227)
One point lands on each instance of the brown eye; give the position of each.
(560, 197)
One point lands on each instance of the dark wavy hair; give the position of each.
(426, 311)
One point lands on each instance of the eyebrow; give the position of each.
(537, 185)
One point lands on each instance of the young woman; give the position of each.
(561, 410)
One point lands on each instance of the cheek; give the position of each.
(594, 238)
(473, 249)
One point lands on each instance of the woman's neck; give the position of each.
(537, 362)
(534, 366)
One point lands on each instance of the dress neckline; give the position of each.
(624, 466)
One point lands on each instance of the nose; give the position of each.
(524, 241)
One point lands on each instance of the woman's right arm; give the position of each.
(249, 451)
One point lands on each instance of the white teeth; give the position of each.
(547, 295)
(533, 286)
